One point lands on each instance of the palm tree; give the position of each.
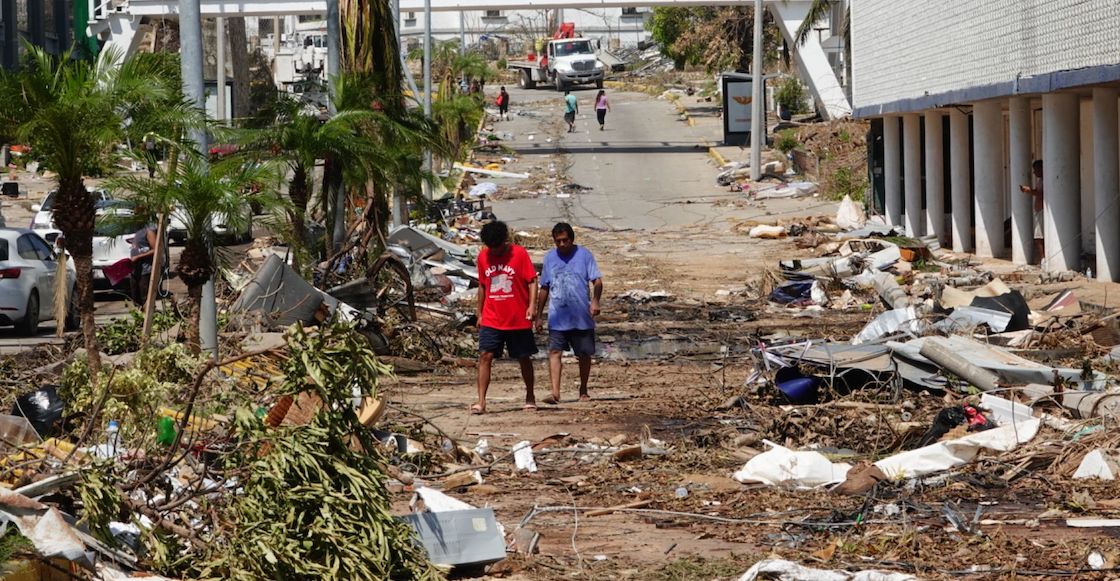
(819, 11)
(72, 113)
(298, 139)
(201, 191)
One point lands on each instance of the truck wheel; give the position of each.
(527, 81)
(599, 84)
(560, 85)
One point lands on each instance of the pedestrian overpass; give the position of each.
(118, 22)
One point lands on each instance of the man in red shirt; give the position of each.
(507, 294)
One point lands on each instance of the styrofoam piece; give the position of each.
(1099, 463)
(436, 501)
(523, 456)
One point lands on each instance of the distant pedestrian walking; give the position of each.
(601, 108)
(571, 108)
(503, 104)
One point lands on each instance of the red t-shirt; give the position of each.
(505, 284)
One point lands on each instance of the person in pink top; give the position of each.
(601, 108)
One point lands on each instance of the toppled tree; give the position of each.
(314, 504)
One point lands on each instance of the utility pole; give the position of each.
(425, 186)
(190, 62)
(758, 107)
(334, 68)
(462, 32)
(220, 70)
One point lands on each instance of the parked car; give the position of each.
(112, 242)
(28, 266)
(177, 229)
(44, 212)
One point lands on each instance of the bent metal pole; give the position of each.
(758, 108)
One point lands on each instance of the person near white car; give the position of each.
(143, 249)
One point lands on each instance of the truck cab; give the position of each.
(572, 61)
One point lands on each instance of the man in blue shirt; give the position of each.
(571, 286)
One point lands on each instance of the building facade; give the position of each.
(44, 23)
(965, 95)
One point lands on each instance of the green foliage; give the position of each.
(502, 64)
(668, 25)
(101, 500)
(787, 141)
(11, 543)
(313, 508)
(843, 181)
(790, 95)
(123, 335)
(135, 392)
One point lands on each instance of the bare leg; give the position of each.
(555, 366)
(529, 378)
(584, 375)
(484, 361)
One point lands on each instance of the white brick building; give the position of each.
(965, 94)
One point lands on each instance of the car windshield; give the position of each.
(99, 197)
(574, 47)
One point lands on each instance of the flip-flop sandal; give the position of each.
(551, 400)
(477, 410)
(530, 407)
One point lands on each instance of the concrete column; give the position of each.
(1106, 183)
(892, 170)
(912, 155)
(960, 182)
(1061, 182)
(1088, 201)
(935, 176)
(1022, 205)
(220, 33)
(987, 128)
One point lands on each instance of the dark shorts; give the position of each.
(570, 116)
(580, 341)
(503, 108)
(519, 343)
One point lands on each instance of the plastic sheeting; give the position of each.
(958, 452)
(780, 466)
(782, 570)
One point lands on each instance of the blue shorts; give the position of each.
(580, 341)
(520, 343)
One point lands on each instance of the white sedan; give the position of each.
(27, 279)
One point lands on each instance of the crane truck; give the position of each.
(567, 60)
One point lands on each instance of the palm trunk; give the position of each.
(239, 59)
(299, 195)
(194, 314)
(74, 215)
(83, 288)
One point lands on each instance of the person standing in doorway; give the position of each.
(601, 108)
(571, 286)
(507, 298)
(571, 108)
(503, 104)
(1035, 192)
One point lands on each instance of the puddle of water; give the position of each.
(654, 347)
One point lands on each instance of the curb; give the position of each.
(712, 151)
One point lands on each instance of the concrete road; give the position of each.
(647, 170)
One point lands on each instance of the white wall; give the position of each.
(910, 50)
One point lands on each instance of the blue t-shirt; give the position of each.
(569, 298)
(570, 104)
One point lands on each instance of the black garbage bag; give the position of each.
(43, 408)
